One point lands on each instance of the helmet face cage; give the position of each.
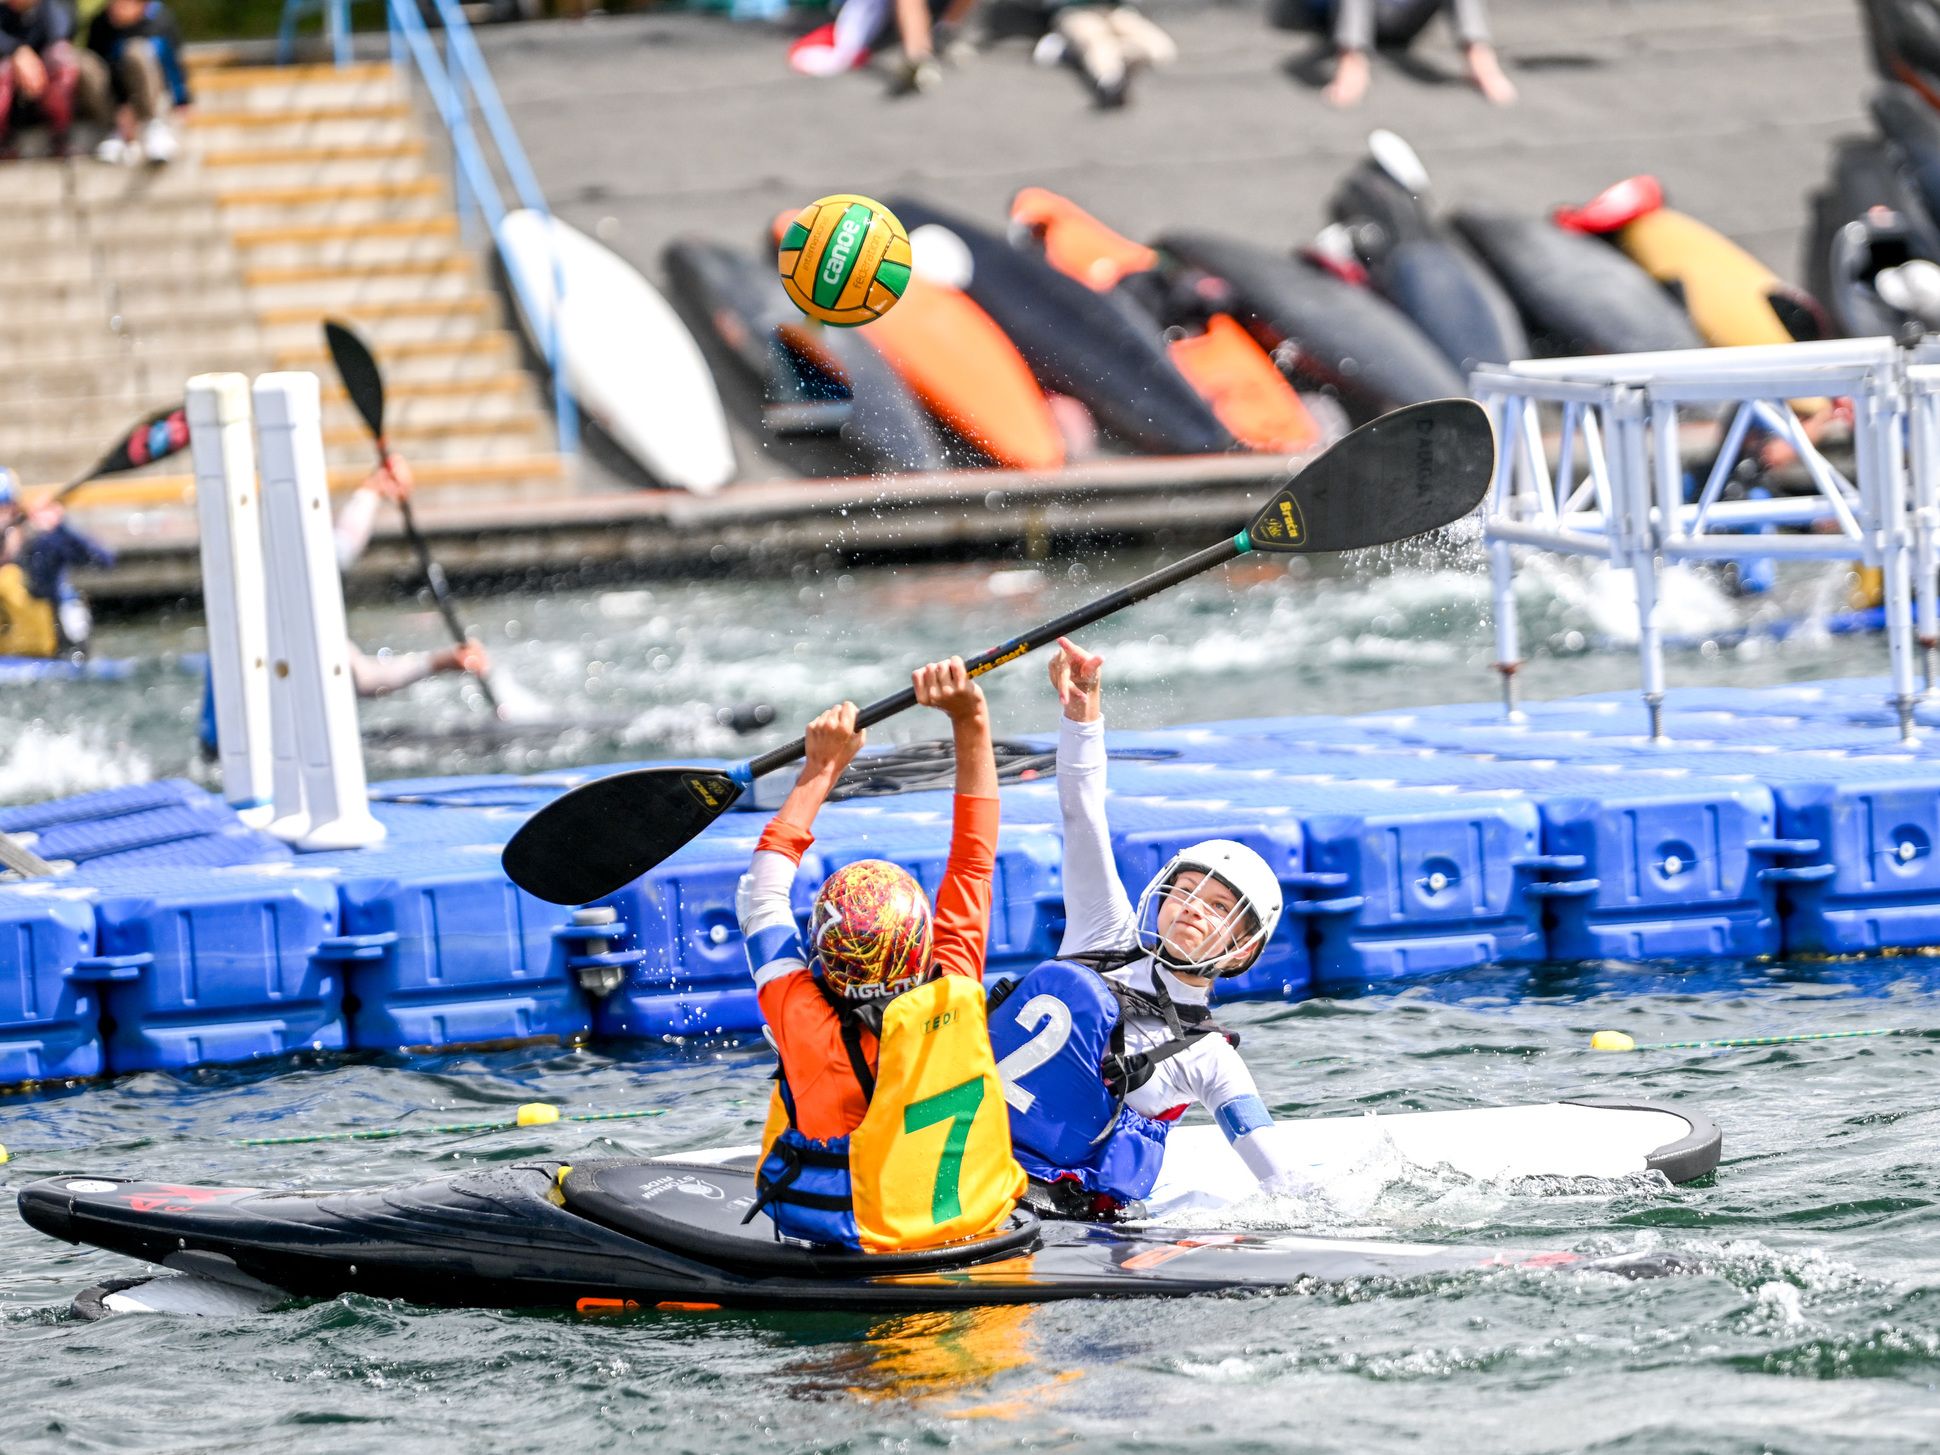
(1236, 932)
(870, 930)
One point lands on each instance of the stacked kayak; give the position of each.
(684, 1232)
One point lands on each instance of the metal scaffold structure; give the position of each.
(1616, 486)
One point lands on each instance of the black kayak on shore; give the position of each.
(1091, 346)
(1577, 294)
(1422, 268)
(1323, 332)
(612, 1235)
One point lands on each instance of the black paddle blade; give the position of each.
(1407, 472)
(363, 381)
(607, 833)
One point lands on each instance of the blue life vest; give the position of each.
(1052, 1032)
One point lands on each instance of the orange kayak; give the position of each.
(968, 374)
(963, 368)
(1224, 365)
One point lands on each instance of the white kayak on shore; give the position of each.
(629, 360)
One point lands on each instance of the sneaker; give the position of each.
(158, 142)
(917, 74)
(954, 46)
(117, 152)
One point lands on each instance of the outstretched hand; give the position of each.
(1075, 676)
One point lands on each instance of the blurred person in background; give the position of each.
(41, 614)
(139, 48)
(386, 672)
(42, 76)
(1358, 24)
(1105, 44)
(925, 32)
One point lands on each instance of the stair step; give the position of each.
(426, 361)
(52, 451)
(537, 473)
(384, 325)
(127, 373)
(332, 290)
(267, 207)
(301, 166)
(134, 189)
(37, 182)
(348, 246)
(219, 136)
(234, 335)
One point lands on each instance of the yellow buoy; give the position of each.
(538, 1114)
(1611, 1041)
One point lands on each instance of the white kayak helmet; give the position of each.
(1248, 925)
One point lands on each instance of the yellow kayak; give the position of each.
(1731, 296)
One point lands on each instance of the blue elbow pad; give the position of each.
(1242, 1115)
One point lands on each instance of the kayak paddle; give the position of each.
(364, 382)
(157, 437)
(1405, 473)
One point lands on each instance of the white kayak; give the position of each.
(1561, 1139)
(629, 360)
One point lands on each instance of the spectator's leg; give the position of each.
(1470, 21)
(1143, 42)
(138, 82)
(6, 104)
(1353, 41)
(1094, 46)
(93, 99)
(57, 101)
(919, 71)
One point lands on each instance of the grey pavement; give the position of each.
(646, 127)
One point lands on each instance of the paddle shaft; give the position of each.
(364, 382)
(1084, 616)
(22, 860)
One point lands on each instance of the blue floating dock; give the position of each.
(1779, 821)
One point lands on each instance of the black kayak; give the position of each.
(845, 387)
(1324, 332)
(613, 1235)
(1427, 272)
(1093, 347)
(1905, 37)
(1868, 217)
(1577, 294)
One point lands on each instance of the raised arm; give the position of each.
(1097, 915)
(963, 898)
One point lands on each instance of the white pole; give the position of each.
(1881, 464)
(1633, 482)
(1502, 565)
(303, 566)
(229, 518)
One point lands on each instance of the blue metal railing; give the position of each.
(460, 86)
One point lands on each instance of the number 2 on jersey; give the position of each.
(1053, 1018)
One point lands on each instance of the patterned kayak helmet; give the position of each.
(871, 930)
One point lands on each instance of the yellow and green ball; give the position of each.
(844, 260)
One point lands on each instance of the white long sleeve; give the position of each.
(1097, 915)
(355, 522)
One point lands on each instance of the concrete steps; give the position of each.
(303, 193)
